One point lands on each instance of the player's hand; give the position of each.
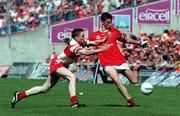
(124, 35)
(106, 38)
(144, 44)
(105, 47)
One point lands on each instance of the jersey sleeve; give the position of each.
(72, 50)
(118, 35)
(92, 37)
(75, 48)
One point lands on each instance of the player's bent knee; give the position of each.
(131, 76)
(73, 77)
(45, 89)
(117, 81)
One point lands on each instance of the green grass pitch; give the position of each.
(101, 100)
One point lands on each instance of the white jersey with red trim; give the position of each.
(70, 53)
(67, 57)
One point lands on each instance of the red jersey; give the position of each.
(113, 55)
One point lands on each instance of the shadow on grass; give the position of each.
(116, 105)
(63, 106)
(103, 105)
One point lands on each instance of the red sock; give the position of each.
(73, 100)
(22, 95)
(132, 102)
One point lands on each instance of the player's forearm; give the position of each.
(96, 42)
(92, 51)
(129, 40)
(91, 43)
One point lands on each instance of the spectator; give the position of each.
(58, 2)
(99, 6)
(2, 22)
(32, 22)
(165, 36)
(69, 13)
(177, 66)
(2, 25)
(106, 6)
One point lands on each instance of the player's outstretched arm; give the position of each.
(89, 51)
(97, 41)
(132, 40)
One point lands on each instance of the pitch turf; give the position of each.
(101, 100)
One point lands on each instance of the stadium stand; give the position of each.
(30, 14)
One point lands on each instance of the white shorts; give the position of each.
(123, 66)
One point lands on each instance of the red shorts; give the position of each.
(54, 65)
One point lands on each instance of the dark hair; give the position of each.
(105, 16)
(67, 40)
(166, 31)
(165, 58)
(76, 32)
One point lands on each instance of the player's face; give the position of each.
(81, 38)
(107, 24)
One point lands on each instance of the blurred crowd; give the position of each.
(162, 54)
(29, 14)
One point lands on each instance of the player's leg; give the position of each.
(50, 81)
(113, 74)
(132, 76)
(72, 85)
